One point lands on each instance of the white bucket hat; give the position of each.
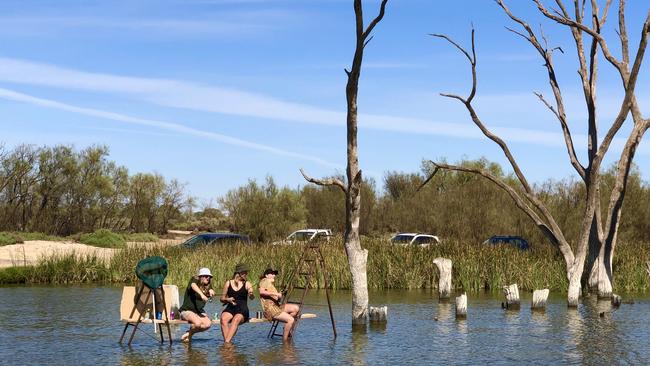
(204, 272)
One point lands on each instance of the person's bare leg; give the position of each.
(288, 321)
(225, 324)
(234, 324)
(291, 309)
(197, 324)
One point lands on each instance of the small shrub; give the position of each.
(37, 236)
(103, 238)
(7, 238)
(141, 237)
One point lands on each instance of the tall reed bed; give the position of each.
(475, 266)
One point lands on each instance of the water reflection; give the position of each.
(231, 357)
(412, 336)
(357, 351)
(279, 354)
(196, 355)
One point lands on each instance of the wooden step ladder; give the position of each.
(310, 264)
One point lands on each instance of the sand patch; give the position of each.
(30, 252)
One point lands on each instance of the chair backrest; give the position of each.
(145, 301)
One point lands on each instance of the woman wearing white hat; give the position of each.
(198, 291)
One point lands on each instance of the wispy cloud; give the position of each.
(193, 96)
(224, 24)
(170, 126)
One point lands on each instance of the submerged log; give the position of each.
(512, 297)
(444, 282)
(461, 306)
(379, 314)
(616, 300)
(539, 299)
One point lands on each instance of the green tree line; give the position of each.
(61, 191)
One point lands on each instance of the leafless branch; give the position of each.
(324, 182)
(380, 16)
(551, 231)
(547, 55)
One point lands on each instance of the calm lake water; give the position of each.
(79, 326)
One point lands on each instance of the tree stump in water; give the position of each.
(461, 306)
(444, 282)
(379, 314)
(539, 299)
(616, 300)
(512, 297)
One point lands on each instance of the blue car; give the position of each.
(214, 239)
(516, 241)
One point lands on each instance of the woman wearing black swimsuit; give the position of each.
(235, 295)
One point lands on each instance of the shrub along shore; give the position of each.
(476, 267)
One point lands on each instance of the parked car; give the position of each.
(423, 240)
(516, 241)
(215, 238)
(307, 235)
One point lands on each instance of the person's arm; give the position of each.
(249, 287)
(270, 294)
(196, 289)
(211, 292)
(224, 295)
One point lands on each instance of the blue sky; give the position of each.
(216, 92)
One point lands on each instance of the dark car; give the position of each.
(516, 241)
(215, 238)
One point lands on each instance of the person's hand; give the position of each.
(232, 300)
(211, 293)
(279, 295)
(204, 298)
(251, 296)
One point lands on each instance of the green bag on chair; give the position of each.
(152, 271)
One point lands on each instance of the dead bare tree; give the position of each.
(597, 239)
(357, 256)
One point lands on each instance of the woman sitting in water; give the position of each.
(271, 302)
(235, 294)
(197, 293)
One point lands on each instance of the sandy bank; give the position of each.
(32, 251)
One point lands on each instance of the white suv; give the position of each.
(308, 235)
(423, 240)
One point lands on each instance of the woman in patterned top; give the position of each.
(271, 299)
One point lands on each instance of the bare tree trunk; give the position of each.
(357, 256)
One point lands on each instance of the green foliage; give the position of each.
(325, 207)
(103, 238)
(476, 267)
(264, 212)
(141, 237)
(58, 190)
(7, 238)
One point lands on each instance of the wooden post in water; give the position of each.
(512, 297)
(379, 314)
(461, 306)
(539, 299)
(616, 300)
(444, 282)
